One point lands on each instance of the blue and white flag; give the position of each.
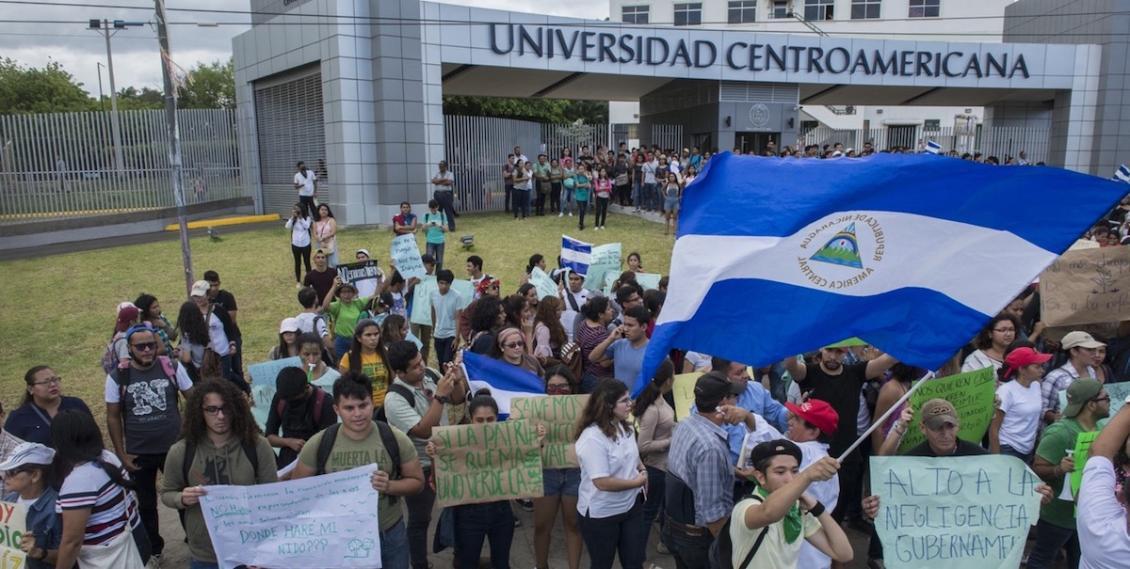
(1122, 173)
(933, 147)
(911, 253)
(505, 381)
(575, 255)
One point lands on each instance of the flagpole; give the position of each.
(880, 420)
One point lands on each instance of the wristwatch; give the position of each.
(445, 399)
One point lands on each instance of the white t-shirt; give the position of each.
(308, 321)
(828, 492)
(299, 231)
(601, 457)
(1022, 409)
(446, 176)
(979, 360)
(775, 551)
(699, 360)
(307, 182)
(1100, 519)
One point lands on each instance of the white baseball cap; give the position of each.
(288, 325)
(200, 288)
(28, 453)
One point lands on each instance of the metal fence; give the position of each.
(476, 149)
(1002, 142)
(62, 164)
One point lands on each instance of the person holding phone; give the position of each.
(626, 344)
(435, 222)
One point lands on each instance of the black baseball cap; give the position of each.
(769, 449)
(713, 387)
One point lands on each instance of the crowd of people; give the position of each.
(374, 386)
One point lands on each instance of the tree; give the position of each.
(209, 86)
(540, 110)
(130, 99)
(51, 89)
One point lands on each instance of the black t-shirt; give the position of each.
(842, 393)
(964, 448)
(322, 282)
(226, 300)
(297, 421)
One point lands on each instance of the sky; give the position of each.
(65, 37)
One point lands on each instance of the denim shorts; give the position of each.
(561, 481)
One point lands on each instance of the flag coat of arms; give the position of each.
(911, 253)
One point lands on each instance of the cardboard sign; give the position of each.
(971, 395)
(972, 512)
(683, 391)
(405, 256)
(466, 292)
(365, 276)
(263, 376)
(543, 283)
(1083, 442)
(1086, 287)
(604, 259)
(559, 414)
(13, 518)
(422, 300)
(487, 462)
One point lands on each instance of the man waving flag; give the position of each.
(909, 252)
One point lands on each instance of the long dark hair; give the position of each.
(654, 389)
(392, 323)
(984, 339)
(594, 308)
(243, 427)
(143, 303)
(482, 398)
(547, 315)
(598, 409)
(192, 325)
(355, 348)
(486, 313)
(77, 439)
(513, 306)
(29, 379)
(534, 260)
(283, 349)
(563, 371)
(329, 212)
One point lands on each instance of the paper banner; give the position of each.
(466, 292)
(422, 300)
(972, 512)
(649, 281)
(559, 414)
(683, 392)
(1083, 442)
(971, 395)
(605, 259)
(487, 462)
(365, 276)
(13, 518)
(325, 521)
(1087, 286)
(543, 282)
(263, 376)
(405, 256)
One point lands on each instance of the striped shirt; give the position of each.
(111, 507)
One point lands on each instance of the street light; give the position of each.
(101, 97)
(108, 28)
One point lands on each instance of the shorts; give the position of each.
(561, 481)
(670, 205)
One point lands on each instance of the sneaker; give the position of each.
(570, 214)
(298, 286)
(560, 214)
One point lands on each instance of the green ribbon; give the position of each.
(792, 521)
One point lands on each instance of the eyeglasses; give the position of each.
(49, 381)
(515, 345)
(215, 409)
(558, 389)
(145, 346)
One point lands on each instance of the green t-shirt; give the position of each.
(435, 233)
(348, 453)
(1058, 438)
(346, 315)
(581, 194)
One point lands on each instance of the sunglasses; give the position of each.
(145, 346)
(515, 345)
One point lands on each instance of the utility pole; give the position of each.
(174, 141)
(101, 97)
(108, 29)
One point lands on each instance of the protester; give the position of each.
(1080, 348)
(27, 482)
(591, 332)
(568, 185)
(635, 264)
(305, 181)
(1087, 403)
(359, 441)
(475, 273)
(298, 410)
(312, 352)
(311, 320)
(549, 334)
(574, 295)
(753, 397)
(520, 194)
(321, 278)
(435, 227)
(325, 230)
(602, 192)
(443, 193)
(991, 343)
(43, 400)
(1016, 421)
(612, 476)
(345, 312)
(487, 319)
(95, 499)
(510, 347)
(149, 312)
(117, 351)
(221, 446)
(394, 328)
(767, 527)
(1102, 519)
(288, 336)
(672, 191)
(657, 422)
(445, 310)
(417, 407)
(901, 379)
(366, 356)
(556, 175)
(541, 183)
(811, 425)
(299, 225)
(208, 327)
(625, 345)
(560, 487)
(582, 190)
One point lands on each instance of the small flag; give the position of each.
(1122, 173)
(933, 147)
(575, 255)
(505, 381)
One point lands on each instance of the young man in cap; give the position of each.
(1080, 348)
(221, 298)
(1087, 403)
(26, 481)
(811, 425)
(700, 477)
(769, 527)
(1102, 520)
(299, 409)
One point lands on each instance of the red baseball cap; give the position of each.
(1021, 357)
(818, 414)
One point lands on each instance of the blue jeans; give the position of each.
(566, 199)
(521, 203)
(650, 196)
(1007, 450)
(635, 194)
(445, 350)
(342, 345)
(656, 491)
(476, 522)
(621, 534)
(394, 547)
(1050, 538)
(436, 251)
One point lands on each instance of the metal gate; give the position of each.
(290, 128)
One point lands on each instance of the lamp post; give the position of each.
(107, 29)
(101, 97)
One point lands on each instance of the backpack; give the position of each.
(319, 403)
(722, 550)
(110, 356)
(379, 413)
(388, 439)
(249, 451)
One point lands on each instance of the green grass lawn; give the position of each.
(60, 310)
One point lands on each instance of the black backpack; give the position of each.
(249, 450)
(388, 439)
(379, 414)
(722, 550)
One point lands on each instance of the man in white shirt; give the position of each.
(575, 295)
(1101, 516)
(443, 187)
(305, 181)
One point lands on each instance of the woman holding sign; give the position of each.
(560, 485)
(1017, 419)
(609, 498)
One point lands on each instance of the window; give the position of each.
(781, 9)
(818, 9)
(925, 8)
(743, 12)
(688, 14)
(634, 14)
(865, 9)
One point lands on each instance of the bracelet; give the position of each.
(817, 510)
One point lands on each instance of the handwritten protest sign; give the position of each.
(263, 376)
(971, 512)
(323, 521)
(971, 395)
(466, 292)
(604, 259)
(1083, 442)
(559, 414)
(422, 301)
(683, 391)
(649, 281)
(364, 275)
(543, 283)
(1087, 286)
(487, 462)
(12, 528)
(405, 255)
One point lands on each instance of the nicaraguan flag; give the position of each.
(911, 253)
(505, 381)
(575, 255)
(933, 147)
(1122, 173)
